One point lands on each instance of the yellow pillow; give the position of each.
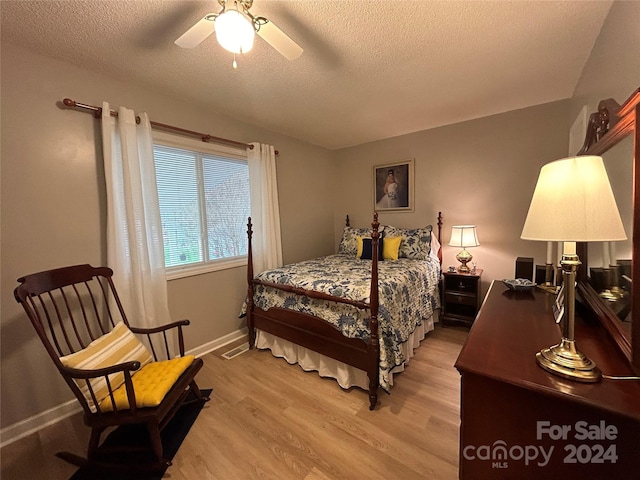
(391, 247)
(118, 346)
(151, 383)
(359, 246)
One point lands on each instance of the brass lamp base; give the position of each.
(464, 257)
(566, 361)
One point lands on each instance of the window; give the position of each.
(204, 197)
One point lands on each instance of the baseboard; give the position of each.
(53, 415)
(218, 343)
(39, 421)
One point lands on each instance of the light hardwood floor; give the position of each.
(269, 419)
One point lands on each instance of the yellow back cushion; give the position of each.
(118, 346)
(391, 247)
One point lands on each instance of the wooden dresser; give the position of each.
(520, 422)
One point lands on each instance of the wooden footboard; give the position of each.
(315, 333)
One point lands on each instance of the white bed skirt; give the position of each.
(346, 375)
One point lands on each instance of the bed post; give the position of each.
(252, 332)
(347, 222)
(374, 345)
(440, 237)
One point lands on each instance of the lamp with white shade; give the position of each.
(464, 236)
(572, 202)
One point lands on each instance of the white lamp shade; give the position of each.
(234, 31)
(573, 202)
(464, 236)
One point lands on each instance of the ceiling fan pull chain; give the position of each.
(234, 64)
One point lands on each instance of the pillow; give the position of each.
(349, 240)
(118, 346)
(416, 242)
(391, 248)
(365, 250)
(359, 246)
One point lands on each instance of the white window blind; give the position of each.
(204, 204)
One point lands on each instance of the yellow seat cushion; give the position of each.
(150, 384)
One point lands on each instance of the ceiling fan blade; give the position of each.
(280, 41)
(197, 34)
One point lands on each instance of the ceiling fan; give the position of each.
(235, 29)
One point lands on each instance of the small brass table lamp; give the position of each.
(464, 236)
(572, 202)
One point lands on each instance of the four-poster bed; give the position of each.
(366, 313)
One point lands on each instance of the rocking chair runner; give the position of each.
(80, 320)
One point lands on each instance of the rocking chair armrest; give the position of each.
(100, 372)
(161, 328)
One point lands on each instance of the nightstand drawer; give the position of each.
(461, 284)
(461, 298)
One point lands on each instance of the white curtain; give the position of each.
(265, 212)
(135, 249)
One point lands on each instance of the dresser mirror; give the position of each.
(606, 280)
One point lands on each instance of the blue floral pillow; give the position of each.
(349, 240)
(416, 242)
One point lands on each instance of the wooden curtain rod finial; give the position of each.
(97, 111)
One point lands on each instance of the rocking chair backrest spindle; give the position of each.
(70, 308)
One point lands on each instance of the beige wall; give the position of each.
(613, 71)
(479, 172)
(613, 68)
(482, 171)
(53, 211)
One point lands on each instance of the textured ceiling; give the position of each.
(370, 69)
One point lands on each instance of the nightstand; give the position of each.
(460, 297)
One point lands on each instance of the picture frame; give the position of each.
(393, 186)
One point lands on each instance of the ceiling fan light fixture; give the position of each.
(235, 31)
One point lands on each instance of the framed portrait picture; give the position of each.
(393, 186)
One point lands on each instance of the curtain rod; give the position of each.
(97, 113)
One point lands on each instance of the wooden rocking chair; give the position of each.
(117, 380)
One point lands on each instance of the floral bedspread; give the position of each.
(408, 295)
